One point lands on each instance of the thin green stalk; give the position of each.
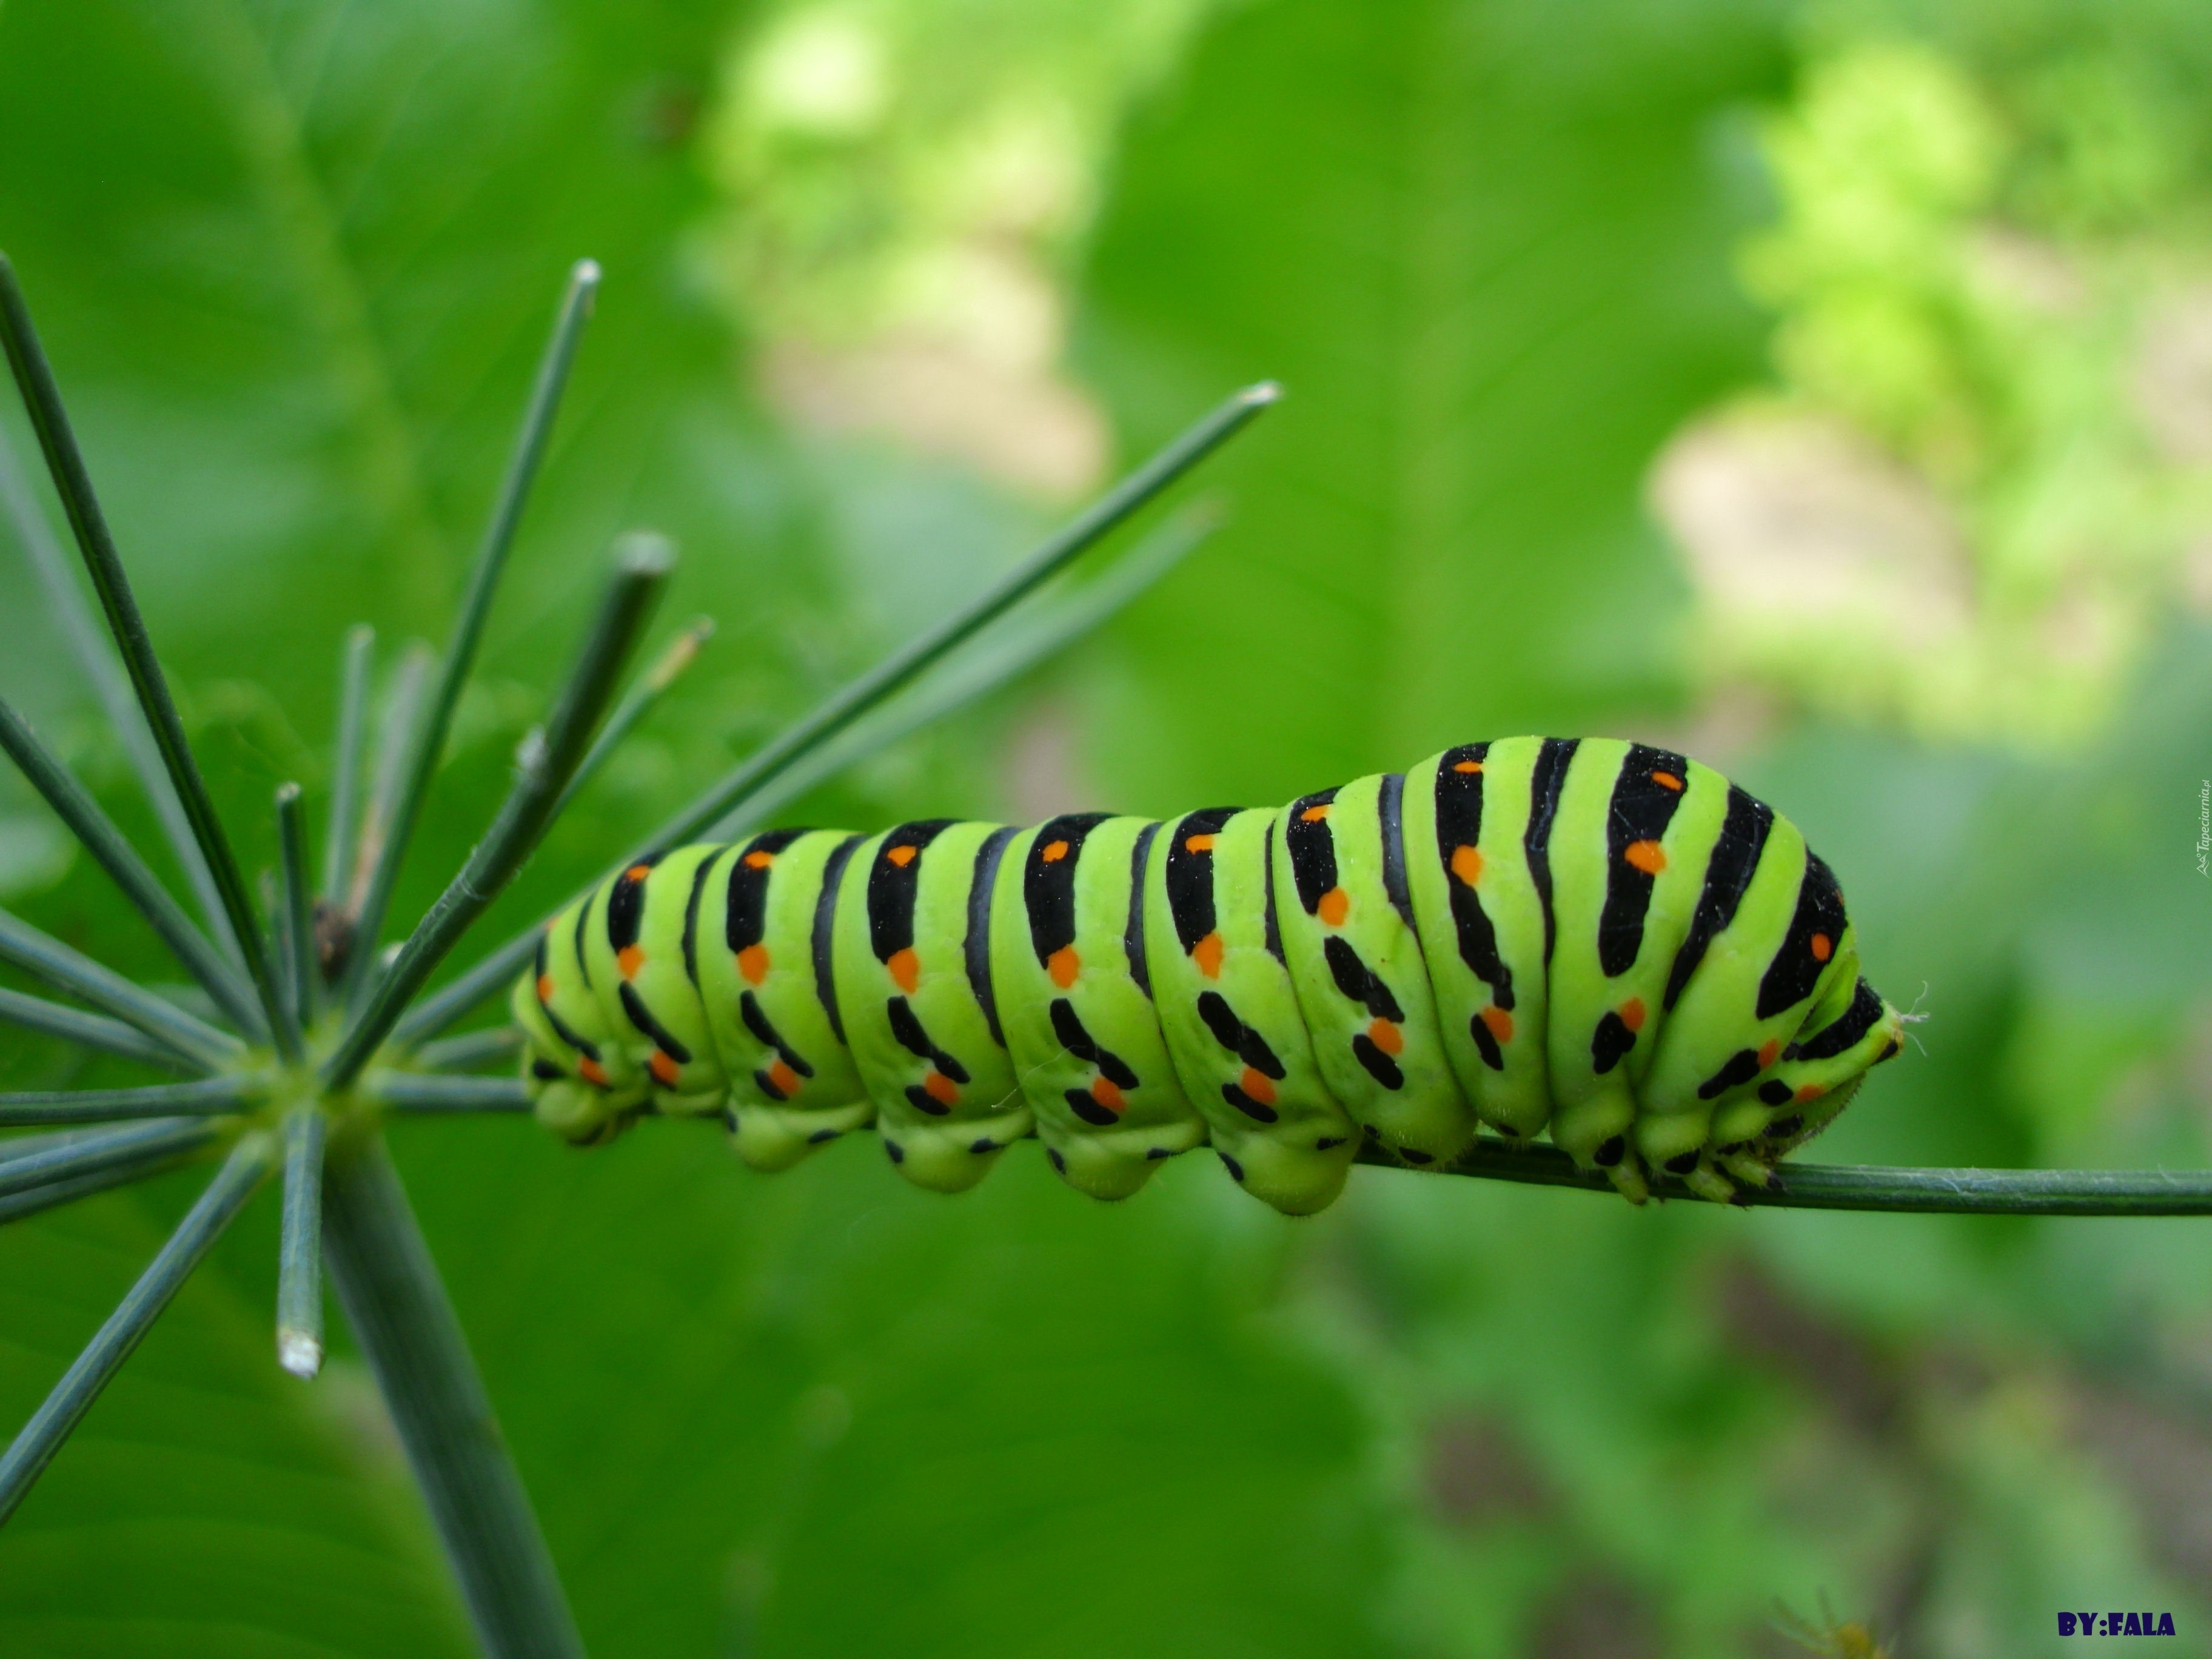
(300, 1250)
(430, 739)
(487, 976)
(72, 970)
(345, 768)
(15, 1146)
(409, 1092)
(806, 737)
(842, 708)
(212, 1097)
(96, 654)
(91, 1031)
(637, 702)
(999, 657)
(35, 1200)
(299, 919)
(642, 566)
(468, 1050)
(76, 809)
(42, 398)
(103, 1147)
(42, 1437)
(388, 1286)
(1873, 1187)
(402, 706)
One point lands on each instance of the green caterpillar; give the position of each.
(1598, 937)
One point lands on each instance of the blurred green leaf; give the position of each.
(1484, 247)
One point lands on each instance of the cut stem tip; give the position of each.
(299, 1354)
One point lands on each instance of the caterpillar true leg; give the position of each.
(1596, 939)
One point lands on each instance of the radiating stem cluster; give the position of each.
(321, 1030)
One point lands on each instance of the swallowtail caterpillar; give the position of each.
(1598, 939)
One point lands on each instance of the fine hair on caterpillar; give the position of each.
(1595, 940)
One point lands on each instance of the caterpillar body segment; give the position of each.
(643, 977)
(1073, 984)
(1480, 914)
(913, 981)
(1222, 984)
(753, 929)
(1599, 938)
(1347, 929)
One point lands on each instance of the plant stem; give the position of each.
(637, 702)
(403, 706)
(92, 1030)
(1048, 627)
(70, 970)
(33, 1200)
(642, 563)
(76, 807)
(1873, 1187)
(213, 1096)
(300, 1253)
(430, 739)
(42, 398)
(485, 977)
(98, 1150)
(409, 1091)
(96, 656)
(345, 768)
(468, 1050)
(389, 1288)
(857, 696)
(14, 1146)
(299, 919)
(34, 1448)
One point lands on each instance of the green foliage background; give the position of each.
(293, 262)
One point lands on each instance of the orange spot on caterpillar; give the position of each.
(1386, 1036)
(637, 872)
(1103, 1091)
(1335, 905)
(1064, 965)
(664, 1068)
(1500, 1024)
(1470, 768)
(1823, 947)
(1466, 864)
(1646, 855)
(1197, 843)
(1206, 953)
(545, 987)
(1810, 1091)
(941, 1088)
(1313, 814)
(902, 856)
(788, 1082)
(1768, 1053)
(752, 962)
(1258, 1085)
(592, 1072)
(1668, 780)
(757, 859)
(629, 959)
(1053, 851)
(1632, 1014)
(905, 970)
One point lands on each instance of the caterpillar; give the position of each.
(1598, 939)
